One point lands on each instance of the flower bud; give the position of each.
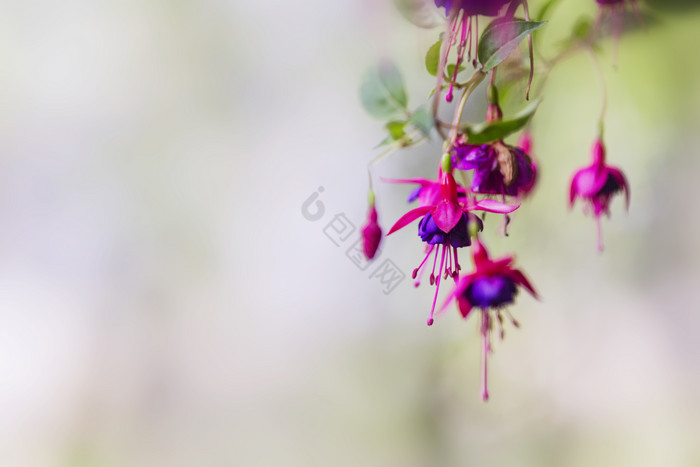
(371, 234)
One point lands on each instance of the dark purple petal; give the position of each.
(470, 157)
(491, 291)
(527, 172)
(431, 234)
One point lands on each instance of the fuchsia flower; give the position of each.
(499, 169)
(463, 30)
(614, 10)
(371, 234)
(445, 223)
(492, 286)
(596, 185)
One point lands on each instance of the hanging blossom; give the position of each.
(428, 193)
(463, 31)
(499, 169)
(444, 227)
(615, 11)
(490, 288)
(596, 184)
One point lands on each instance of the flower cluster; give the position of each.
(478, 169)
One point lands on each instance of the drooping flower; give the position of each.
(371, 234)
(463, 31)
(445, 223)
(490, 288)
(614, 13)
(596, 184)
(428, 193)
(499, 169)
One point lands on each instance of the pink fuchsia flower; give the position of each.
(596, 185)
(446, 224)
(371, 234)
(499, 169)
(490, 288)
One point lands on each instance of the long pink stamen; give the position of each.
(419, 270)
(484, 355)
(448, 268)
(469, 39)
(445, 57)
(476, 35)
(600, 234)
(437, 288)
(432, 275)
(455, 275)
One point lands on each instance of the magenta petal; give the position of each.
(420, 181)
(589, 181)
(446, 215)
(457, 292)
(572, 191)
(465, 307)
(520, 278)
(409, 217)
(491, 205)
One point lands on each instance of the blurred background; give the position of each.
(175, 289)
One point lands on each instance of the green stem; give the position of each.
(475, 80)
(603, 88)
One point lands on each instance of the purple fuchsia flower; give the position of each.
(490, 288)
(499, 169)
(463, 31)
(596, 185)
(445, 223)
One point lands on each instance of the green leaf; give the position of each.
(451, 70)
(421, 13)
(487, 132)
(501, 38)
(382, 92)
(396, 129)
(432, 58)
(422, 119)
